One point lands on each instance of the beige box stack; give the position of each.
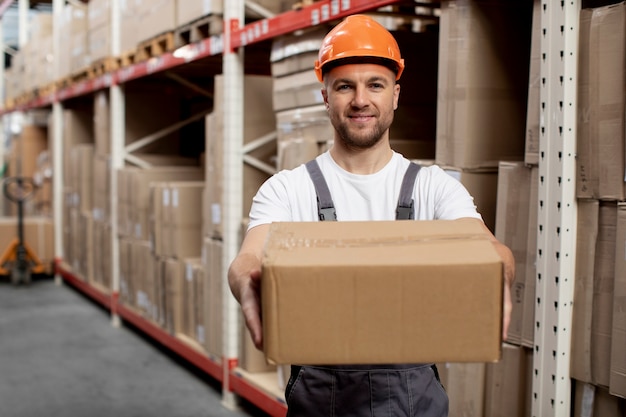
(74, 57)
(189, 11)
(154, 17)
(483, 81)
(258, 121)
(129, 35)
(302, 125)
(516, 226)
(99, 30)
(598, 363)
(601, 103)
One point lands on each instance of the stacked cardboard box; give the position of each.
(74, 56)
(258, 121)
(99, 30)
(599, 320)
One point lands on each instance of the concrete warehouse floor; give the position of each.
(60, 356)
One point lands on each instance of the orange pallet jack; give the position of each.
(18, 259)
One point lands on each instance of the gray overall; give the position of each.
(395, 390)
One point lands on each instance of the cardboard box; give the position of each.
(381, 292)
(484, 51)
(617, 379)
(465, 385)
(155, 17)
(300, 89)
(591, 400)
(482, 184)
(512, 228)
(593, 292)
(528, 319)
(505, 384)
(38, 235)
(188, 11)
(213, 297)
(258, 121)
(600, 155)
(531, 155)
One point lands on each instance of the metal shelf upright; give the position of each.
(557, 211)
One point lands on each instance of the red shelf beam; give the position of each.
(213, 45)
(93, 293)
(272, 406)
(198, 359)
(312, 15)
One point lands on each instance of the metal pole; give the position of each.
(57, 138)
(117, 132)
(557, 211)
(234, 13)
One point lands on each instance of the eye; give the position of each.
(377, 86)
(343, 87)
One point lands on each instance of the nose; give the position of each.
(360, 98)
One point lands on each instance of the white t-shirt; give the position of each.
(290, 195)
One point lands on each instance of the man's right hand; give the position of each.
(244, 278)
(250, 300)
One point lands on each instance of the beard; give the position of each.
(360, 138)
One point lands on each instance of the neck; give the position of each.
(362, 161)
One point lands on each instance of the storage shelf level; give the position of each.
(259, 389)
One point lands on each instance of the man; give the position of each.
(359, 65)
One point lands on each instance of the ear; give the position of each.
(325, 96)
(396, 95)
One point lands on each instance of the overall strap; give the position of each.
(325, 205)
(326, 208)
(405, 209)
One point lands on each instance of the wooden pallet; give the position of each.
(25, 98)
(128, 58)
(155, 46)
(198, 30)
(303, 3)
(78, 76)
(103, 66)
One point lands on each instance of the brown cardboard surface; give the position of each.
(484, 47)
(582, 312)
(603, 285)
(188, 11)
(259, 121)
(591, 400)
(155, 17)
(617, 379)
(465, 385)
(593, 296)
(381, 292)
(505, 384)
(601, 103)
(512, 228)
(38, 234)
(250, 358)
(531, 155)
(482, 184)
(213, 302)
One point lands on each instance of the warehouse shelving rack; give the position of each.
(551, 393)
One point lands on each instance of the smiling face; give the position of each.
(361, 99)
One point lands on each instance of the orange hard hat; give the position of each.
(359, 36)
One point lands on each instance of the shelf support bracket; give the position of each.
(145, 141)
